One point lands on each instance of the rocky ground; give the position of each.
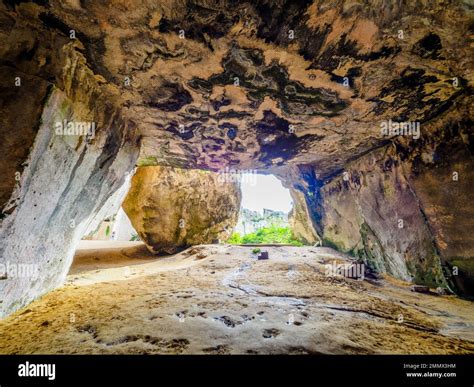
(219, 299)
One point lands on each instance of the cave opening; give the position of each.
(168, 212)
(264, 212)
(111, 246)
(116, 227)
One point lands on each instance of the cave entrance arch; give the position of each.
(265, 211)
(167, 210)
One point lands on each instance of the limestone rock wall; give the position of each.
(300, 221)
(172, 208)
(56, 184)
(376, 215)
(406, 209)
(66, 182)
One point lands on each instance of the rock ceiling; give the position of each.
(215, 84)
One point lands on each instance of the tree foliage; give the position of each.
(265, 235)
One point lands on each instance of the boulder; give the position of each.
(172, 208)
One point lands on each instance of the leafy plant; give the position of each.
(256, 251)
(235, 239)
(266, 235)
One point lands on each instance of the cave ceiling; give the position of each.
(266, 84)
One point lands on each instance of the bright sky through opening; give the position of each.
(264, 191)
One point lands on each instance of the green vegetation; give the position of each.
(135, 238)
(235, 239)
(265, 235)
(256, 251)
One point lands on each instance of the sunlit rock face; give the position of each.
(174, 208)
(300, 220)
(300, 89)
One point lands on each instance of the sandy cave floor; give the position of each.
(218, 299)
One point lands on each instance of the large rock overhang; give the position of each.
(260, 85)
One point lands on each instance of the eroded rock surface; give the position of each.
(399, 209)
(172, 208)
(262, 84)
(300, 220)
(66, 181)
